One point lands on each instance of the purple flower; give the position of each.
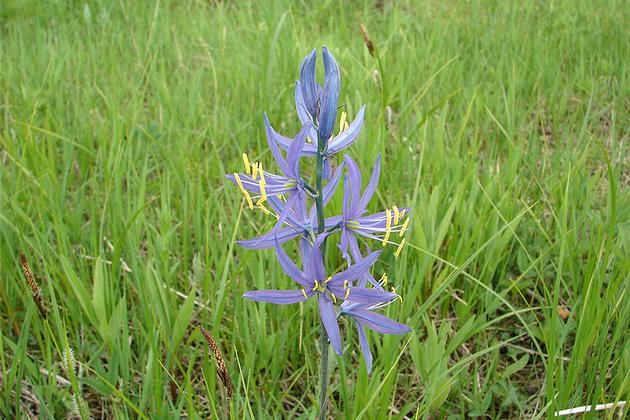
(265, 184)
(329, 290)
(363, 316)
(378, 226)
(295, 218)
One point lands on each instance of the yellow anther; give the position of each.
(248, 168)
(388, 226)
(396, 215)
(402, 213)
(327, 280)
(383, 279)
(393, 289)
(334, 297)
(316, 285)
(400, 247)
(304, 293)
(261, 184)
(347, 294)
(255, 171)
(308, 140)
(345, 284)
(342, 122)
(404, 228)
(244, 191)
(400, 298)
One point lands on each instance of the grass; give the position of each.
(504, 125)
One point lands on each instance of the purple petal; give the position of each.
(315, 261)
(355, 182)
(329, 319)
(308, 82)
(348, 136)
(302, 111)
(364, 295)
(379, 323)
(371, 186)
(365, 348)
(357, 269)
(289, 267)
(343, 245)
(330, 188)
(329, 97)
(295, 151)
(347, 198)
(272, 140)
(269, 239)
(279, 297)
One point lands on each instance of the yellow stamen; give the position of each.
(347, 294)
(316, 285)
(261, 184)
(400, 297)
(244, 191)
(383, 280)
(255, 172)
(304, 293)
(248, 168)
(388, 226)
(342, 122)
(327, 280)
(396, 215)
(334, 297)
(345, 284)
(404, 228)
(393, 289)
(308, 140)
(402, 213)
(400, 247)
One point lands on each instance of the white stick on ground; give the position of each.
(587, 408)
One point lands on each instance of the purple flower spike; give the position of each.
(352, 291)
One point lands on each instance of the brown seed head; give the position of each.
(32, 284)
(222, 371)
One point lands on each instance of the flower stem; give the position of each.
(323, 339)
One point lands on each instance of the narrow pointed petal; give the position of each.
(357, 269)
(295, 151)
(269, 239)
(329, 319)
(343, 245)
(379, 323)
(364, 295)
(347, 200)
(272, 141)
(329, 97)
(316, 261)
(331, 187)
(371, 186)
(365, 348)
(303, 113)
(355, 182)
(278, 297)
(289, 267)
(348, 136)
(308, 82)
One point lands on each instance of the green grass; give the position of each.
(505, 126)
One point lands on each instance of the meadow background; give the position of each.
(504, 125)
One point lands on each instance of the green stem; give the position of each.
(323, 340)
